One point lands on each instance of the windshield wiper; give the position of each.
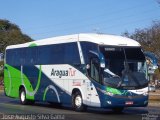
(127, 72)
(111, 73)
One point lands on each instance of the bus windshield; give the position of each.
(125, 67)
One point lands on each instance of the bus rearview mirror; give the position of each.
(102, 65)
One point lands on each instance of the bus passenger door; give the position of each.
(94, 76)
(88, 92)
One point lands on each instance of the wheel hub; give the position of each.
(78, 101)
(22, 96)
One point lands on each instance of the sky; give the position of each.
(49, 18)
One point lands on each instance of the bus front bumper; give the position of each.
(125, 101)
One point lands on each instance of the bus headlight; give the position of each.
(145, 93)
(146, 102)
(109, 102)
(109, 93)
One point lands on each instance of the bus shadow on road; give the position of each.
(126, 111)
(100, 111)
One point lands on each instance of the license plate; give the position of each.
(129, 103)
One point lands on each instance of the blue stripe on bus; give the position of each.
(32, 73)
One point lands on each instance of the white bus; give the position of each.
(79, 70)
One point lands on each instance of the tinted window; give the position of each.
(86, 47)
(59, 54)
(48, 54)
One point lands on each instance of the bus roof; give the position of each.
(101, 39)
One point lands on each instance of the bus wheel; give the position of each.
(77, 102)
(22, 95)
(118, 110)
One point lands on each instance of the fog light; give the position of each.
(109, 102)
(145, 94)
(145, 102)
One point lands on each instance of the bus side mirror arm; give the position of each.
(87, 66)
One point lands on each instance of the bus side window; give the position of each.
(94, 70)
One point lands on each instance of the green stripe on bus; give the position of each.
(113, 90)
(39, 78)
(44, 95)
(13, 80)
(33, 45)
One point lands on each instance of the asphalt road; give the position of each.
(12, 109)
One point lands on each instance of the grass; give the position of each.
(154, 97)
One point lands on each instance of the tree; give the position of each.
(149, 38)
(10, 34)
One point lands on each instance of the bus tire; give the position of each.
(77, 102)
(22, 96)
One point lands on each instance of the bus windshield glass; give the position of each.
(125, 67)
